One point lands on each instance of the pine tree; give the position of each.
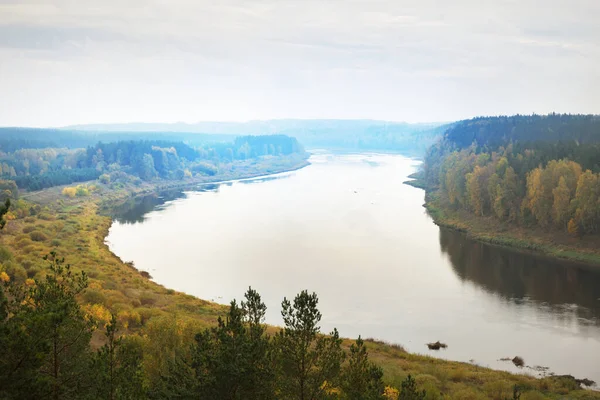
(45, 337)
(232, 361)
(117, 367)
(410, 391)
(361, 380)
(308, 361)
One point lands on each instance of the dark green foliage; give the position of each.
(516, 393)
(56, 178)
(232, 360)
(306, 359)
(3, 211)
(361, 380)
(45, 337)
(409, 390)
(117, 367)
(493, 132)
(177, 382)
(8, 190)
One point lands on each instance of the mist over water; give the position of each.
(347, 228)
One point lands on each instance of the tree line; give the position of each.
(46, 338)
(39, 168)
(554, 185)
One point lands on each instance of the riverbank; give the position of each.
(489, 230)
(76, 230)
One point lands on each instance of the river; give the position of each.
(347, 228)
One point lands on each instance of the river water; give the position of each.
(347, 228)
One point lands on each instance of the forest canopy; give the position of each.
(42, 167)
(530, 170)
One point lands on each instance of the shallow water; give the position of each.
(347, 228)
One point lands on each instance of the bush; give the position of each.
(33, 271)
(204, 168)
(5, 255)
(16, 272)
(148, 298)
(46, 216)
(29, 228)
(93, 296)
(69, 192)
(105, 179)
(82, 191)
(38, 236)
(22, 242)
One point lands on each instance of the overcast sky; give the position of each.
(78, 61)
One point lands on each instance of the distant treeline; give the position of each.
(39, 168)
(357, 135)
(493, 132)
(531, 170)
(12, 139)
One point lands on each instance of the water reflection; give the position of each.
(134, 209)
(566, 289)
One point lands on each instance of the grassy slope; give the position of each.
(74, 228)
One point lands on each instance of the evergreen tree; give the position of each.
(3, 211)
(361, 380)
(308, 361)
(232, 361)
(117, 367)
(410, 391)
(45, 337)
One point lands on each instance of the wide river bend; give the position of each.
(347, 228)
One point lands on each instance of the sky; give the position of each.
(68, 62)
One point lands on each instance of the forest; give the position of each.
(332, 134)
(43, 167)
(46, 337)
(528, 170)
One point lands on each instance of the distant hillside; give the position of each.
(15, 138)
(494, 132)
(353, 135)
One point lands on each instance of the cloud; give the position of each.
(65, 61)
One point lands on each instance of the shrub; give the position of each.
(29, 228)
(204, 168)
(82, 191)
(104, 178)
(16, 272)
(22, 242)
(93, 296)
(5, 255)
(46, 216)
(148, 298)
(33, 271)
(38, 236)
(69, 192)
